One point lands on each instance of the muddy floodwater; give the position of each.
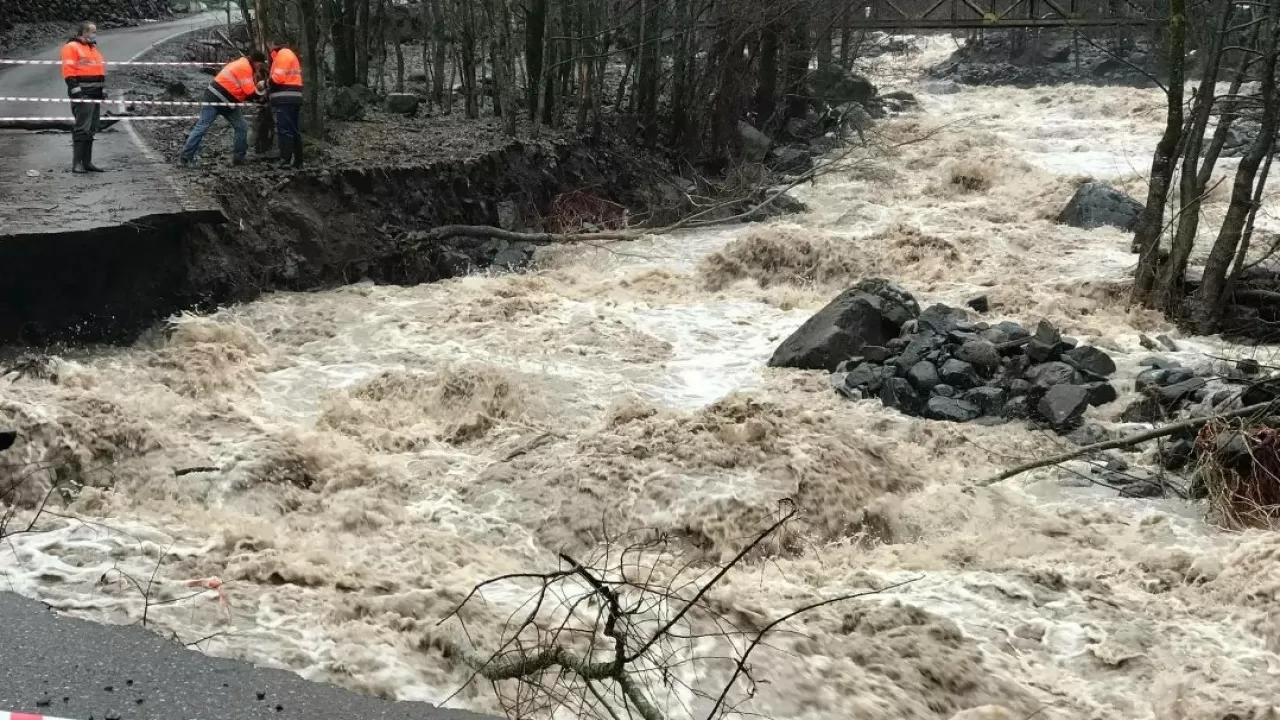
(376, 451)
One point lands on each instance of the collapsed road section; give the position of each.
(244, 231)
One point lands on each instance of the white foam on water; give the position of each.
(377, 451)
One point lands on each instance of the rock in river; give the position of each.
(870, 313)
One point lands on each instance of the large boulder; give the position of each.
(1063, 405)
(347, 104)
(869, 313)
(755, 144)
(403, 104)
(1097, 205)
(836, 86)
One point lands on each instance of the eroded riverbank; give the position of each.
(379, 450)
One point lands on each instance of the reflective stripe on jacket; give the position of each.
(83, 69)
(286, 77)
(234, 83)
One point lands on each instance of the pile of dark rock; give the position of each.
(1053, 58)
(939, 364)
(842, 103)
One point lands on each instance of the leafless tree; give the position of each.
(612, 636)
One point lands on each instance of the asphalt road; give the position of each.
(70, 668)
(38, 191)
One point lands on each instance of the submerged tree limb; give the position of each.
(695, 220)
(488, 231)
(1129, 440)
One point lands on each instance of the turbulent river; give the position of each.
(374, 452)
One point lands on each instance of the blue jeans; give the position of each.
(207, 116)
(289, 131)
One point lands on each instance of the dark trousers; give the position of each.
(289, 131)
(87, 117)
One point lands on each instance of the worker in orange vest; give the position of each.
(85, 73)
(285, 96)
(234, 84)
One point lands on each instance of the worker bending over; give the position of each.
(233, 84)
(285, 96)
(85, 72)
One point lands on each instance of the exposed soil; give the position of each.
(344, 218)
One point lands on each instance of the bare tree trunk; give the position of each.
(650, 67)
(825, 53)
(264, 127)
(400, 63)
(1242, 205)
(1242, 252)
(555, 56)
(379, 39)
(1195, 178)
(846, 39)
(467, 57)
(601, 64)
(342, 29)
(504, 66)
(439, 51)
(683, 71)
(362, 41)
(1151, 223)
(797, 66)
(313, 78)
(767, 75)
(535, 30)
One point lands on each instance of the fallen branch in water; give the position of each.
(692, 221)
(179, 472)
(1193, 423)
(488, 231)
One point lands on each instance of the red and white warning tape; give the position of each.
(68, 118)
(25, 716)
(123, 101)
(4, 61)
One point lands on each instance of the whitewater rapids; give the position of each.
(377, 451)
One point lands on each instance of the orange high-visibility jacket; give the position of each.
(234, 83)
(83, 69)
(286, 77)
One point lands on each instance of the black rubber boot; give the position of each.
(77, 157)
(297, 151)
(88, 157)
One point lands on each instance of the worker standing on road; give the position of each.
(233, 84)
(285, 96)
(85, 72)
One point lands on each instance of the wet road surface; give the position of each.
(38, 191)
(70, 668)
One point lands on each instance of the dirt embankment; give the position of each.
(308, 230)
(332, 226)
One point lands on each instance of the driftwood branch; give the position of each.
(1130, 440)
(692, 221)
(488, 231)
